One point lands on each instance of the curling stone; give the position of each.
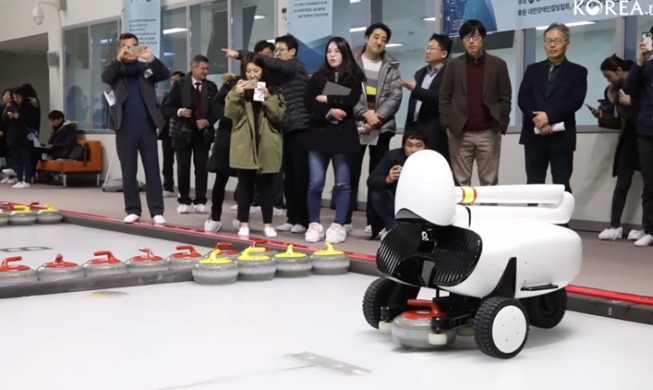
(291, 263)
(412, 328)
(49, 215)
(14, 274)
(330, 261)
(257, 267)
(223, 249)
(4, 218)
(103, 267)
(216, 269)
(184, 260)
(59, 269)
(147, 263)
(257, 243)
(21, 215)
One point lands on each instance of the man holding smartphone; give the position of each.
(135, 117)
(640, 83)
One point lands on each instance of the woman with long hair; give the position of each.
(22, 125)
(330, 97)
(615, 71)
(256, 111)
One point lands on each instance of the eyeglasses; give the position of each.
(430, 49)
(468, 38)
(279, 50)
(556, 42)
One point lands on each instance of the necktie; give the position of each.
(198, 100)
(553, 73)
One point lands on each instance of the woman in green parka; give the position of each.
(256, 110)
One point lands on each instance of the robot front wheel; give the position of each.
(501, 327)
(385, 292)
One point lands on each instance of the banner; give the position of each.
(143, 19)
(506, 15)
(311, 23)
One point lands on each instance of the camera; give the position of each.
(38, 15)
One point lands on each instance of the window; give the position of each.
(77, 74)
(209, 34)
(590, 45)
(174, 43)
(256, 17)
(103, 49)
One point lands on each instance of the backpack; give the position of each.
(80, 153)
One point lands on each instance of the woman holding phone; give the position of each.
(255, 151)
(626, 161)
(330, 97)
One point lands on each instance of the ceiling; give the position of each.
(35, 44)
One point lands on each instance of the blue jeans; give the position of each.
(318, 163)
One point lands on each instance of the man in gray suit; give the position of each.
(135, 117)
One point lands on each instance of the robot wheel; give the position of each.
(546, 311)
(501, 327)
(385, 293)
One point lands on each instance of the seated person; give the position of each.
(382, 182)
(63, 138)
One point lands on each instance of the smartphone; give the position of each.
(259, 96)
(136, 50)
(621, 92)
(590, 107)
(647, 40)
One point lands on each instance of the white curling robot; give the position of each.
(496, 257)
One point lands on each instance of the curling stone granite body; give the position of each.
(49, 215)
(16, 274)
(215, 270)
(104, 267)
(4, 218)
(293, 264)
(256, 266)
(147, 263)
(59, 269)
(418, 334)
(22, 215)
(330, 261)
(184, 260)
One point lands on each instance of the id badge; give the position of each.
(148, 73)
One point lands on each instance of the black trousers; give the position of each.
(196, 150)
(277, 192)
(23, 160)
(376, 155)
(383, 202)
(168, 162)
(247, 180)
(217, 195)
(626, 165)
(645, 147)
(295, 170)
(132, 139)
(538, 160)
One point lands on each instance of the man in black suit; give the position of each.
(550, 94)
(192, 117)
(135, 117)
(425, 89)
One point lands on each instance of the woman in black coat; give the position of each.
(219, 159)
(22, 129)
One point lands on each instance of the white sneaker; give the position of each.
(184, 209)
(349, 228)
(611, 234)
(159, 220)
(25, 185)
(286, 227)
(269, 232)
(298, 229)
(212, 226)
(336, 234)
(234, 207)
(635, 235)
(368, 229)
(5, 180)
(169, 194)
(17, 185)
(9, 172)
(314, 233)
(254, 210)
(235, 224)
(647, 240)
(200, 209)
(131, 218)
(277, 212)
(243, 232)
(13, 180)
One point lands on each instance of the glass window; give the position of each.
(174, 43)
(103, 50)
(590, 45)
(209, 33)
(256, 17)
(77, 75)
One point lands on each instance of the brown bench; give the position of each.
(65, 167)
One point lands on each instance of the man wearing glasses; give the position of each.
(550, 94)
(424, 96)
(475, 103)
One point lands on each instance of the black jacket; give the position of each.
(63, 140)
(640, 83)
(376, 179)
(19, 129)
(219, 158)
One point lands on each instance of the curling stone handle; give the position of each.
(8, 260)
(250, 250)
(435, 309)
(256, 241)
(34, 205)
(191, 250)
(20, 207)
(110, 258)
(290, 250)
(222, 245)
(148, 251)
(59, 259)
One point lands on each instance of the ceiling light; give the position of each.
(357, 29)
(394, 44)
(572, 24)
(429, 18)
(174, 30)
(354, 1)
(258, 17)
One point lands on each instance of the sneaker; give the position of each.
(611, 234)
(5, 180)
(635, 235)
(169, 194)
(243, 232)
(235, 224)
(234, 207)
(13, 180)
(212, 226)
(17, 185)
(314, 233)
(368, 229)
(9, 172)
(336, 234)
(350, 228)
(200, 209)
(277, 212)
(131, 218)
(286, 227)
(159, 220)
(254, 210)
(269, 232)
(647, 240)
(184, 209)
(298, 229)
(24, 185)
